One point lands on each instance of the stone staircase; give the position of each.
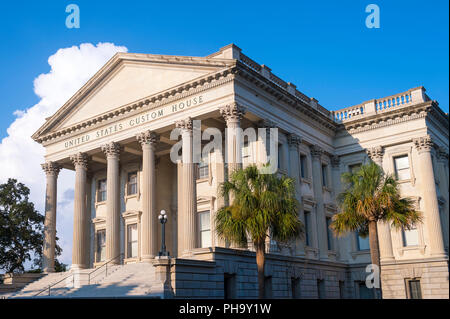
(131, 280)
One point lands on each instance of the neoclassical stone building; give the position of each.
(115, 134)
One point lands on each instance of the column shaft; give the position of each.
(384, 229)
(149, 236)
(294, 171)
(189, 190)
(316, 153)
(79, 213)
(180, 210)
(51, 171)
(112, 151)
(431, 207)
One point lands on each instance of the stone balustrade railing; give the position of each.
(404, 99)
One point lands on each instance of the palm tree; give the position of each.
(371, 196)
(263, 205)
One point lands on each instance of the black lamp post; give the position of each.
(163, 219)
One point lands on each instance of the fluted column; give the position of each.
(149, 217)
(79, 261)
(384, 230)
(189, 189)
(180, 210)
(51, 170)
(316, 153)
(112, 151)
(233, 113)
(294, 171)
(87, 248)
(442, 157)
(427, 182)
(336, 180)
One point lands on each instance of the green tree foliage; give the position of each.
(370, 196)
(264, 205)
(21, 228)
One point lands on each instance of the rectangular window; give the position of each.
(324, 175)
(364, 291)
(132, 241)
(341, 289)
(204, 229)
(354, 168)
(101, 245)
(303, 166)
(413, 289)
(402, 171)
(410, 237)
(132, 183)
(246, 150)
(308, 228)
(203, 168)
(321, 289)
(280, 155)
(363, 243)
(329, 234)
(101, 190)
(268, 287)
(295, 286)
(229, 286)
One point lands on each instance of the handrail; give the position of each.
(73, 276)
(48, 288)
(104, 265)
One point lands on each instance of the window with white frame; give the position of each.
(410, 237)
(204, 228)
(324, 175)
(354, 168)
(362, 242)
(132, 241)
(413, 289)
(303, 166)
(101, 245)
(101, 190)
(402, 169)
(329, 234)
(307, 228)
(246, 154)
(203, 167)
(132, 183)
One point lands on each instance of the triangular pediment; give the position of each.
(127, 78)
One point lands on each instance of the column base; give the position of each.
(74, 267)
(48, 270)
(147, 259)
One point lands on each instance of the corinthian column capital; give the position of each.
(423, 144)
(232, 113)
(294, 140)
(316, 150)
(80, 159)
(335, 161)
(148, 137)
(111, 149)
(375, 153)
(185, 124)
(51, 168)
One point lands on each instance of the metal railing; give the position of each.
(104, 265)
(52, 285)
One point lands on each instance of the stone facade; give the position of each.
(115, 132)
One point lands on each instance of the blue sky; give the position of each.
(321, 46)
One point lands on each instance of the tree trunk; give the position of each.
(260, 261)
(375, 252)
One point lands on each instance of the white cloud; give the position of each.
(21, 157)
